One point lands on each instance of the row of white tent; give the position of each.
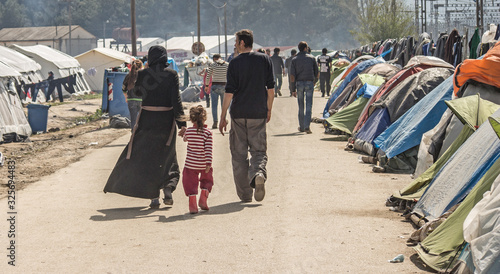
(21, 69)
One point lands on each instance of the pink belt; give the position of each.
(149, 108)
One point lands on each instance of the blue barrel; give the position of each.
(37, 117)
(113, 100)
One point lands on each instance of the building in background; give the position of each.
(56, 37)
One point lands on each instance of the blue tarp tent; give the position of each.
(407, 131)
(461, 173)
(357, 70)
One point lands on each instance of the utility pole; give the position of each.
(199, 35)
(416, 16)
(423, 4)
(218, 31)
(479, 16)
(225, 28)
(69, 19)
(133, 32)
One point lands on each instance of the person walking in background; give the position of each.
(149, 161)
(250, 92)
(50, 87)
(279, 72)
(198, 166)
(288, 62)
(303, 76)
(325, 64)
(134, 101)
(217, 71)
(233, 55)
(268, 52)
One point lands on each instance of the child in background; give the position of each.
(198, 165)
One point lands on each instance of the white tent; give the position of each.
(61, 64)
(95, 61)
(13, 122)
(29, 69)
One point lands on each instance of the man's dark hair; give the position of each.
(294, 51)
(246, 36)
(303, 46)
(261, 50)
(324, 51)
(216, 56)
(276, 50)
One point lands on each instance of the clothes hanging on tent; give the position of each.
(453, 38)
(474, 44)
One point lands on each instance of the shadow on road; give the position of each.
(219, 209)
(126, 213)
(289, 134)
(336, 138)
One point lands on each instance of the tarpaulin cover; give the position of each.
(415, 65)
(358, 69)
(376, 124)
(411, 90)
(461, 173)
(485, 70)
(463, 108)
(407, 131)
(439, 249)
(346, 119)
(482, 231)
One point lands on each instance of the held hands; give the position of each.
(294, 94)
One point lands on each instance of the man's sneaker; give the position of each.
(260, 190)
(308, 131)
(300, 130)
(214, 126)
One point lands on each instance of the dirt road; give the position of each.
(323, 213)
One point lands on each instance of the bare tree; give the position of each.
(382, 19)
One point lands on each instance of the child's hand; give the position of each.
(207, 168)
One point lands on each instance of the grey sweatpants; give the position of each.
(248, 135)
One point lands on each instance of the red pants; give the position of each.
(190, 180)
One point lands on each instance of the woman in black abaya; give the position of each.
(149, 161)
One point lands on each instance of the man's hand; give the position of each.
(182, 131)
(294, 94)
(222, 126)
(207, 168)
(268, 116)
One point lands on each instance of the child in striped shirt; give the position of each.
(198, 166)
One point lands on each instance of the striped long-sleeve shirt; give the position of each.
(199, 148)
(218, 71)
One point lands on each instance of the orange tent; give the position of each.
(486, 70)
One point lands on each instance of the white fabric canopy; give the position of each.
(482, 231)
(58, 58)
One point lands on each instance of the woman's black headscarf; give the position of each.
(157, 55)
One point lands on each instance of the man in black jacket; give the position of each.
(250, 92)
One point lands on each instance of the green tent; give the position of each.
(440, 248)
(472, 112)
(345, 120)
